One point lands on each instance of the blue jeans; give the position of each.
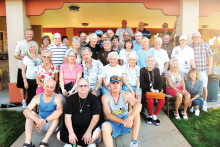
(125, 88)
(197, 102)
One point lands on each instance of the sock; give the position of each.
(150, 116)
(154, 117)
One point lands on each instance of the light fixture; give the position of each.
(85, 24)
(74, 8)
(145, 24)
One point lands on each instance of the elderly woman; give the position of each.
(123, 56)
(29, 64)
(109, 70)
(176, 87)
(131, 76)
(45, 42)
(195, 88)
(103, 54)
(76, 47)
(115, 44)
(150, 81)
(45, 70)
(70, 72)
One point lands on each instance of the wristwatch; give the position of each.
(46, 120)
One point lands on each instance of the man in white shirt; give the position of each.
(20, 51)
(120, 31)
(184, 54)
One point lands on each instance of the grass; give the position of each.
(201, 131)
(12, 124)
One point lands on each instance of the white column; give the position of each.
(188, 21)
(17, 22)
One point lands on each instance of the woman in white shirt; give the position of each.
(123, 56)
(29, 64)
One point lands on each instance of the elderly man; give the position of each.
(167, 44)
(81, 118)
(161, 56)
(99, 34)
(83, 38)
(50, 108)
(110, 33)
(57, 50)
(126, 36)
(92, 71)
(119, 121)
(144, 31)
(137, 42)
(95, 48)
(20, 51)
(202, 51)
(185, 55)
(166, 31)
(120, 31)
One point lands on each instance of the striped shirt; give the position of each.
(200, 54)
(58, 53)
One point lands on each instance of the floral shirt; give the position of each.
(45, 75)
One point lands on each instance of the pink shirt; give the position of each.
(68, 75)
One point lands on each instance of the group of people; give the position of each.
(102, 87)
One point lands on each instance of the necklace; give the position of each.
(151, 79)
(133, 72)
(114, 99)
(81, 107)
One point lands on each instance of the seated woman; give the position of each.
(195, 88)
(109, 70)
(123, 56)
(45, 71)
(70, 72)
(29, 65)
(176, 87)
(150, 81)
(131, 76)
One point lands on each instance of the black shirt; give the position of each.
(94, 50)
(90, 106)
(145, 81)
(146, 33)
(102, 56)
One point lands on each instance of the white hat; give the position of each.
(183, 37)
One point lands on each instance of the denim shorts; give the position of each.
(118, 128)
(125, 88)
(197, 102)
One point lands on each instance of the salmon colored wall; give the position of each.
(62, 31)
(2, 8)
(14, 93)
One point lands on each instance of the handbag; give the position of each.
(67, 87)
(153, 95)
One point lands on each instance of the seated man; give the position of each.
(81, 118)
(50, 108)
(119, 121)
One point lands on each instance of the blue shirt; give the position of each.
(142, 56)
(136, 46)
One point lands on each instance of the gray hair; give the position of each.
(75, 38)
(106, 40)
(82, 33)
(93, 34)
(48, 80)
(198, 33)
(127, 32)
(172, 60)
(113, 53)
(110, 30)
(29, 45)
(82, 80)
(150, 57)
(133, 54)
(159, 39)
(28, 30)
(56, 34)
(71, 52)
(86, 48)
(138, 32)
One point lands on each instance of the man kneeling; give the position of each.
(119, 121)
(50, 108)
(81, 118)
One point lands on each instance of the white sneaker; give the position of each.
(24, 105)
(134, 143)
(191, 110)
(92, 145)
(197, 112)
(204, 107)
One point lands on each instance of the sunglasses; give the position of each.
(48, 57)
(114, 78)
(165, 26)
(81, 86)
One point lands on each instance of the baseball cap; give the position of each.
(183, 37)
(99, 33)
(115, 78)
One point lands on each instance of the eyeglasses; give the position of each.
(48, 57)
(81, 86)
(165, 26)
(196, 37)
(72, 56)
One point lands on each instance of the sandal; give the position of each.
(44, 144)
(29, 145)
(157, 122)
(176, 116)
(184, 115)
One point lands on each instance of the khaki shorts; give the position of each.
(204, 78)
